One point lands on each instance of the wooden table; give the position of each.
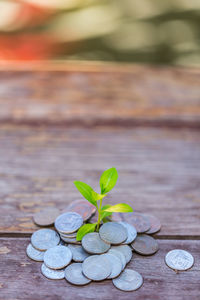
(66, 122)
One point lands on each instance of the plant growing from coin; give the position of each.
(107, 181)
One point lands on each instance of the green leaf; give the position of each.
(83, 230)
(96, 196)
(108, 180)
(121, 207)
(103, 213)
(87, 192)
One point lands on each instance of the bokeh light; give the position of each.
(149, 31)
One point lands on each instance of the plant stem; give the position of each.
(99, 214)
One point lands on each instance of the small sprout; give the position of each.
(107, 181)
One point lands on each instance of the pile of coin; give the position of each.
(100, 255)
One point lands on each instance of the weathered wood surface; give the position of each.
(158, 172)
(101, 95)
(41, 154)
(20, 277)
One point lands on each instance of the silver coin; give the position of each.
(46, 217)
(82, 207)
(180, 260)
(34, 253)
(69, 235)
(68, 222)
(131, 231)
(119, 254)
(92, 243)
(74, 274)
(126, 250)
(113, 233)
(57, 257)
(128, 280)
(52, 274)
(78, 253)
(70, 240)
(155, 224)
(145, 244)
(138, 220)
(96, 267)
(116, 265)
(44, 239)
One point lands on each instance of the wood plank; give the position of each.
(158, 172)
(20, 278)
(100, 94)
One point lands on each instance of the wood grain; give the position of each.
(88, 95)
(158, 172)
(20, 278)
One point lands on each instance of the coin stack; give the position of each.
(101, 255)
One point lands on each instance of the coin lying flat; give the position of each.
(131, 231)
(119, 254)
(154, 223)
(44, 239)
(52, 274)
(74, 274)
(92, 243)
(34, 253)
(145, 245)
(83, 208)
(96, 267)
(70, 240)
(78, 253)
(128, 280)
(180, 260)
(113, 233)
(68, 222)
(126, 250)
(116, 265)
(46, 217)
(57, 257)
(139, 221)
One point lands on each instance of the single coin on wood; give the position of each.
(180, 260)
(82, 207)
(46, 217)
(116, 265)
(52, 274)
(154, 223)
(34, 253)
(96, 267)
(68, 222)
(145, 244)
(57, 257)
(128, 280)
(139, 221)
(74, 274)
(78, 253)
(92, 243)
(119, 254)
(126, 250)
(44, 239)
(131, 231)
(113, 233)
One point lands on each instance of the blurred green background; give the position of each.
(142, 31)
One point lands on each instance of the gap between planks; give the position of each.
(123, 123)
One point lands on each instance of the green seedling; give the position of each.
(107, 181)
